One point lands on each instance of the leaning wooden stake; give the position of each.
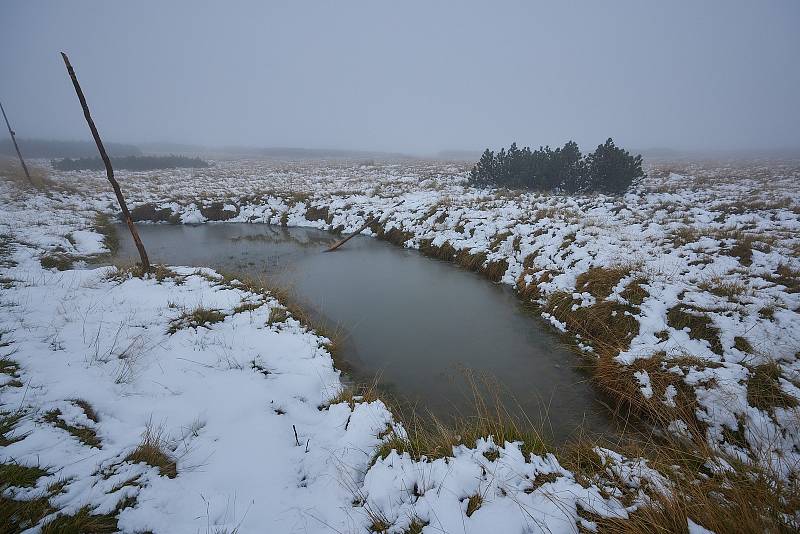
(351, 236)
(109, 170)
(16, 147)
(360, 229)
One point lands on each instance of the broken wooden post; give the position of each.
(16, 147)
(109, 170)
(360, 229)
(351, 236)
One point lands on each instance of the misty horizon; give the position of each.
(415, 79)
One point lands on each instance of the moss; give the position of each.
(764, 389)
(85, 435)
(700, 326)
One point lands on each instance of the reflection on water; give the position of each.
(412, 320)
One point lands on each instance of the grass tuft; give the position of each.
(430, 438)
(85, 435)
(153, 450)
(104, 226)
(474, 503)
(700, 326)
(59, 261)
(82, 522)
(196, 318)
(20, 476)
(600, 281)
(764, 388)
(277, 314)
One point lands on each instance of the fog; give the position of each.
(415, 77)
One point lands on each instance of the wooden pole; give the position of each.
(16, 147)
(351, 236)
(109, 170)
(360, 229)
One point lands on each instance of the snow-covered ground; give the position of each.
(224, 400)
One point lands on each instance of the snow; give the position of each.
(78, 335)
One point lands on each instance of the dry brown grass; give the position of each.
(620, 384)
(608, 326)
(198, 317)
(153, 450)
(600, 281)
(314, 213)
(85, 435)
(700, 325)
(742, 500)
(764, 389)
(430, 438)
(354, 394)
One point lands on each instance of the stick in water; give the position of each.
(360, 229)
(109, 170)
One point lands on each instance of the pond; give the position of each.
(414, 322)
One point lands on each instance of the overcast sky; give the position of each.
(407, 76)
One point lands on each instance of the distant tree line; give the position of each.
(131, 163)
(609, 169)
(45, 148)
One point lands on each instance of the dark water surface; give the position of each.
(414, 321)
